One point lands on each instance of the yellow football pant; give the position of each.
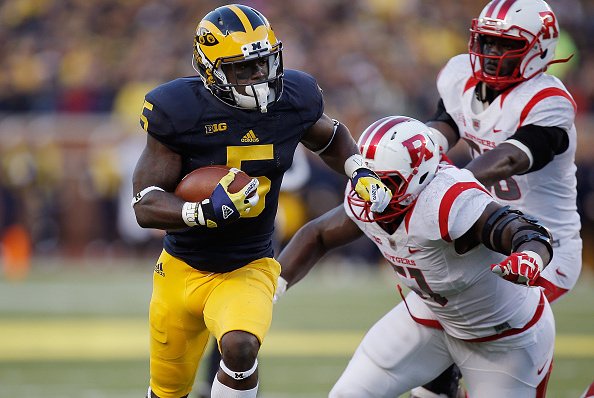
(187, 305)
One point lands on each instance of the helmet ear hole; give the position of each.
(423, 177)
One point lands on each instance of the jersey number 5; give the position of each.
(238, 154)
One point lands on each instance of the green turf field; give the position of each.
(80, 331)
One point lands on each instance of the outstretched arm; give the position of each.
(521, 237)
(529, 149)
(313, 240)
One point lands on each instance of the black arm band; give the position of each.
(491, 221)
(497, 234)
(544, 143)
(538, 233)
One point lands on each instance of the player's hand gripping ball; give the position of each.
(224, 194)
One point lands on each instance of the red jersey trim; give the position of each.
(546, 93)
(511, 332)
(470, 83)
(448, 201)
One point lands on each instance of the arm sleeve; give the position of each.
(542, 142)
(441, 115)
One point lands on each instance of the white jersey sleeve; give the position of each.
(451, 203)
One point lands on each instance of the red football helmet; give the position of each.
(531, 22)
(404, 154)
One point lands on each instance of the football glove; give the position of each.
(522, 268)
(281, 288)
(371, 189)
(224, 207)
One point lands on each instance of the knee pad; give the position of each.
(238, 375)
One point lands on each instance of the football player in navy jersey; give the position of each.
(217, 273)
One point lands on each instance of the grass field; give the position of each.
(80, 331)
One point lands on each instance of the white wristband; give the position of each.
(281, 288)
(138, 197)
(352, 164)
(536, 257)
(189, 213)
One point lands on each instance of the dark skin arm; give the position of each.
(314, 240)
(474, 236)
(499, 163)
(343, 145)
(161, 167)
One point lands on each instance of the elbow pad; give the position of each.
(529, 230)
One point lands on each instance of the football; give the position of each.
(199, 184)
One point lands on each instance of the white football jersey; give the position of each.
(460, 291)
(549, 194)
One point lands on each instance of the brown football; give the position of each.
(199, 184)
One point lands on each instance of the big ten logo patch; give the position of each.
(215, 128)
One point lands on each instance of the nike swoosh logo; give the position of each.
(413, 251)
(560, 273)
(539, 371)
(497, 131)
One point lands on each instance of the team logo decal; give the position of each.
(476, 124)
(159, 269)
(417, 149)
(205, 38)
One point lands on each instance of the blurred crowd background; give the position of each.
(74, 74)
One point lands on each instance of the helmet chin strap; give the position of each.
(249, 101)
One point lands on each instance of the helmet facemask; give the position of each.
(498, 70)
(529, 23)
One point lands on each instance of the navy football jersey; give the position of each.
(184, 116)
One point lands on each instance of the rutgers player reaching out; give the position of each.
(518, 122)
(469, 262)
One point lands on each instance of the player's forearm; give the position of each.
(300, 255)
(160, 210)
(498, 164)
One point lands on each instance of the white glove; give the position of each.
(281, 288)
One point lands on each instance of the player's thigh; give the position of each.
(243, 300)
(396, 355)
(178, 335)
(510, 367)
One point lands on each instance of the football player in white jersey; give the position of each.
(471, 265)
(518, 123)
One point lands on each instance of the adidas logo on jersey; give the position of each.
(250, 137)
